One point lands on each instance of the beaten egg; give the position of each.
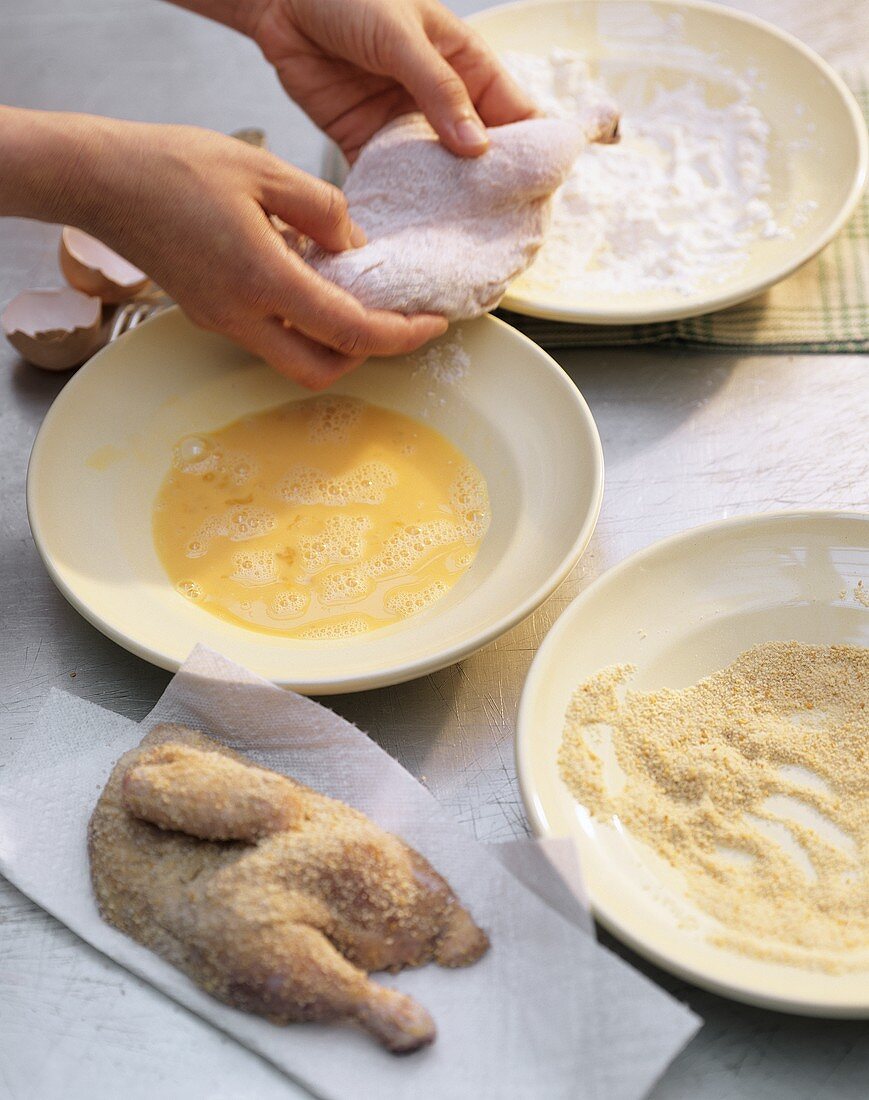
(319, 519)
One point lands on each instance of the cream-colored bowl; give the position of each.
(818, 145)
(106, 445)
(678, 611)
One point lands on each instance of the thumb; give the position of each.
(441, 95)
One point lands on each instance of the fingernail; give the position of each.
(357, 236)
(471, 134)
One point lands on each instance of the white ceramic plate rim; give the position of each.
(533, 306)
(396, 673)
(749, 993)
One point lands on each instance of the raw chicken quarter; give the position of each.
(447, 234)
(273, 898)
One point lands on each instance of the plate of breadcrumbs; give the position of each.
(698, 721)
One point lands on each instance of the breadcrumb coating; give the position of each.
(754, 784)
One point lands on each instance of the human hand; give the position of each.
(353, 65)
(191, 208)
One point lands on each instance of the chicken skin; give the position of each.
(272, 897)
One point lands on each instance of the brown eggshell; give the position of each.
(53, 329)
(91, 267)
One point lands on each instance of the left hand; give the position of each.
(202, 231)
(353, 65)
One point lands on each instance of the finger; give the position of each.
(497, 97)
(312, 206)
(333, 317)
(440, 93)
(295, 355)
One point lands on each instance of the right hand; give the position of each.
(353, 65)
(191, 209)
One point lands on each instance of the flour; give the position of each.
(675, 205)
(443, 363)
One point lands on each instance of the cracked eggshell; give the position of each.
(90, 266)
(53, 329)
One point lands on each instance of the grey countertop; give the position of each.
(687, 437)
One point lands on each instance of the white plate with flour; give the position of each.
(742, 155)
(680, 611)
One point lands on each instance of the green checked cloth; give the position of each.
(822, 307)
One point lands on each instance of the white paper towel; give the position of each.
(546, 1013)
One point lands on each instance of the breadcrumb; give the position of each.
(753, 784)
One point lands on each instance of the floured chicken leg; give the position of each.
(272, 897)
(446, 234)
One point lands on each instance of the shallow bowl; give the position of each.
(107, 441)
(678, 611)
(817, 146)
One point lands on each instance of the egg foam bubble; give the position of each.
(320, 519)
(365, 484)
(333, 417)
(254, 568)
(407, 602)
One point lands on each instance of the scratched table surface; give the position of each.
(688, 438)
